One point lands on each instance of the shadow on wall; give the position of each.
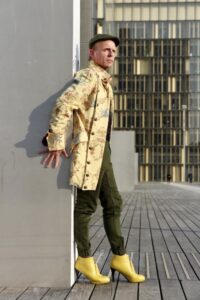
(38, 126)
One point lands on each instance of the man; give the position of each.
(89, 101)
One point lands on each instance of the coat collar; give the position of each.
(102, 74)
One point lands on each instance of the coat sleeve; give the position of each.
(72, 99)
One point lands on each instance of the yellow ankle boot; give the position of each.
(123, 265)
(90, 270)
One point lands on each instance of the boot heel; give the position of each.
(113, 274)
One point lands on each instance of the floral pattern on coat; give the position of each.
(88, 101)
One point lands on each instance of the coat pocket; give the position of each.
(79, 138)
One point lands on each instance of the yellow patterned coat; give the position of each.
(88, 100)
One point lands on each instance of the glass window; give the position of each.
(166, 139)
(175, 102)
(157, 120)
(118, 15)
(154, 12)
(190, 10)
(136, 13)
(181, 12)
(163, 13)
(139, 120)
(109, 13)
(172, 11)
(127, 13)
(145, 12)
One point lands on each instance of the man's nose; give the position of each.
(111, 53)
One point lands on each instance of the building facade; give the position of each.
(156, 82)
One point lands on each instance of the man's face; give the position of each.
(103, 53)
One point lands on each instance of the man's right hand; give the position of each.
(52, 158)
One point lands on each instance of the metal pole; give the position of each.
(184, 107)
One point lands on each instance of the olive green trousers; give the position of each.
(111, 203)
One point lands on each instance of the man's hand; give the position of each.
(52, 158)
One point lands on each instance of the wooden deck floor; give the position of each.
(161, 226)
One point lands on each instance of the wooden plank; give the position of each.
(128, 217)
(184, 242)
(158, 241)
(133, 240)
(96, 218)
(81, 291)
(33, 294)
(160, 218)
(125, 208)
(165, 266)
(172, 290)
(194, 239)
(182, 266)
(56, 294)
(170, 221)
(93, 230)
(104, 245)
(136, 218)
(97, 239)
(99, 221)
(154, 209)
(11, 293)
(144, 217)
(197, 233)
(194, 259)
(152, 218)
(148, 265)
(127, 291)
(105, 292)
(188, 219)
(125, 233)
(191, 289)
(150, 290)
(145, 241)
(174, 214)
(194, 214)
(172, 244)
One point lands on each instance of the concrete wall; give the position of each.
(124, 159)
(36, 208)
(87, 29)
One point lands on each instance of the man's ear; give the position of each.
(91, 52)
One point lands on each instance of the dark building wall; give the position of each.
(156, 83)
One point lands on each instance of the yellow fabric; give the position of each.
(124, 265)
(91, 87)
(89, 268)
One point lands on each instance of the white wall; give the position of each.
(88, 11)
(36, 219)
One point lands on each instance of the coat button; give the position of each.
(87, 175)
(90, 148)
(95, 119)
(92, 133)
(88, 162)
(85, 187)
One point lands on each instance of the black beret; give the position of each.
(103, 37)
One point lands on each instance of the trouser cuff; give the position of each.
(84, 253)
(119, 251)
